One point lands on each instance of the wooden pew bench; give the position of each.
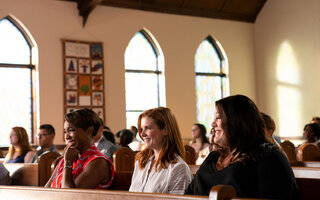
(218, 192)
(23, 174)
(32, 174)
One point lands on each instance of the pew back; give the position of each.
(123, 159)
(190, 155)
(36, 193)
(308, 152)
(23, 173)
(289, 148)
(45, 161)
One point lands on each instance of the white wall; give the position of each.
(287, 36)
(50, 21)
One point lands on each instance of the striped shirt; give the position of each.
(80, 164)
(173, 180)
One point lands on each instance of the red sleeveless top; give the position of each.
(80, 164)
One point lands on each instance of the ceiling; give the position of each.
(238, 10)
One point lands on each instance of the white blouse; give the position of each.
(173, 180)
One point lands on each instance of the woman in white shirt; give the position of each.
(160, 167)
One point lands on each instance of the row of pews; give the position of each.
(307, 175)
(305, 152)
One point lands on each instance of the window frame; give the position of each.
(157, 71)
(32, 68)
(223, 65)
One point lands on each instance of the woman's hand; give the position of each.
(70, 154)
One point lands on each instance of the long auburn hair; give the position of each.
(242, 123)
(23, 142)
(172, 145)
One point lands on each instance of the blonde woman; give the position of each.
(160, 167)
(20, 150)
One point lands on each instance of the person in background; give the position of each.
(135, 145)
(124, 137)
(4, 175)
(199, 138)
(108, 135)
(160, 167)
(103, 144)
(206, 151)
(45, 138)
(315, 120)
(20, 150)
(311, 132)
(82, 165)
(243, 157)
(270, 127)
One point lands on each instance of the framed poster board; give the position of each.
(83, 74)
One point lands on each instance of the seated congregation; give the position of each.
(240, 160)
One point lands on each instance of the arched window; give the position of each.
(17, 87)
(144, 76)
(211, 79)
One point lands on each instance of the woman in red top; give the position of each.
(82, 166)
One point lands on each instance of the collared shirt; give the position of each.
(40, 152)
(173, 180)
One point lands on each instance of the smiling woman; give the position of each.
(243, 157)
(82, 166)
(160, 168)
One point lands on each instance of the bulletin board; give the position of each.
(83, 72)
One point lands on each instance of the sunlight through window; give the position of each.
(144, 73)
(15, 80)
(211, 80)
(289, 97)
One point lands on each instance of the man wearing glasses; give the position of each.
(45, 139)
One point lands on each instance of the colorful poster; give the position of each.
(84, 76)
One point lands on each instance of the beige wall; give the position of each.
(287, 37)
(179, 36)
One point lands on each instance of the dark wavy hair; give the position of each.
(315, 129)
(203, 132)
(84, 118)
(242, 124)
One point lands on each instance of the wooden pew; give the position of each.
(123, 159)
(36, 193)
(308, 181)
(32, 174)
(44, 170)
(23, 173)
(122, 180)
(190, 155)
(308, 152)
(305, 163)
(218, 192)
(289, 148)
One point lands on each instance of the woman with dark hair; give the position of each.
(160, 167)
(20, 150)
(124, 137)
(199, 138)
(243, 157)
(83, 165)
(311, 132)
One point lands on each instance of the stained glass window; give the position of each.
(16, 99)
(211, 80)
(144, 76)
